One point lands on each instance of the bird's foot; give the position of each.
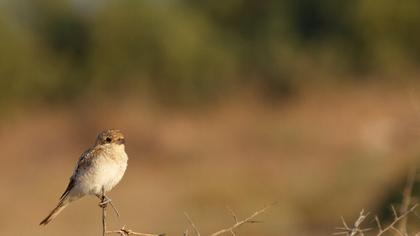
(105, 201)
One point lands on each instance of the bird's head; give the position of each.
(110, 136)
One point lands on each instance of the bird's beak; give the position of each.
(120, 141)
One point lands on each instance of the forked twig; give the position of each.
(408, 189)
(238, 223)
(398, 225)
(248, 220)
(123, 231)
(356, 228)
(397, 219)
(126, 232)
(235, 218)
(197, 232)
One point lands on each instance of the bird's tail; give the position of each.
(54, 213)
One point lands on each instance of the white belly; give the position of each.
(104, 173)
(108, 176)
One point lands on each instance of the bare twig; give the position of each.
(115, 209)
(197, 232)
(356, 228)
(378, 223)
(125, 232)
(399, 223)
(230, 230)
(249, 219)
(235, 218)
(396, 220)
(103, 213)
(411, 177)
(105, 201)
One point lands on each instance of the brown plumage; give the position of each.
(99, 169)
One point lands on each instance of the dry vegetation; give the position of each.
(398, 225)
(322, 154)
(229, 230)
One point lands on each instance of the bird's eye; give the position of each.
(108, 140)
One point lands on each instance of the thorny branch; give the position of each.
(126, 232)
(399, 223)
(408, 189)
(231, 229)
(397, 219)
(123, 231)
(197, 232)
(358, 230)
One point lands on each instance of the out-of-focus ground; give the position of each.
(320, 155)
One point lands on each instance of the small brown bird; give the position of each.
(98, 170)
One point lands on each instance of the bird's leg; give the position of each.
(105, 201)
(103, 211)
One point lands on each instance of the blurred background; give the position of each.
(239, 103)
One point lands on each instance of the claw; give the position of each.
(105, 201)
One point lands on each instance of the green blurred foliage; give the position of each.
(185, 50)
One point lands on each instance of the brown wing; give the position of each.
(84, 161)
(69, 187)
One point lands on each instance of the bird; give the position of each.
(98, 170)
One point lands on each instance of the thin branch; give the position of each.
(235, 218)
(378, 223)
(103, 213)
(125, 232)
(408, 189)
(115, 209)
(396, 220)
(356, 228)
(398, 225)
(197, 232)
(249, 219)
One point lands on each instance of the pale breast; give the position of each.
(105, 171)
